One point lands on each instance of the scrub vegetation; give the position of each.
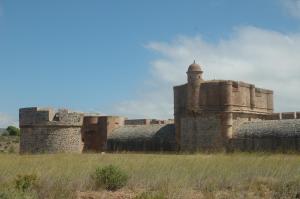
(237, 175)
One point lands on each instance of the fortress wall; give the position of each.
(180, 101)
(155, 121)
(156, 137)
(112, 123)
(47, 131)
(273, 116)
(288, 115)
(180, 98)
(137, 122)
(92, 136)
(147, 121)
(241, 118)
(246, 97)
(243, 97)
(268, 135)
(210, 96)
(267, 144)
(50, 140)
(283, 116)
(96, 129)
(201, 133)
(34, 115)
(261, 99)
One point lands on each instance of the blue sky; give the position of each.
(122, 57)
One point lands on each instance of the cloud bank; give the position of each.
(266, 58)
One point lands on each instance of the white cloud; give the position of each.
(292, 7)
(6, 120)
(266, 58)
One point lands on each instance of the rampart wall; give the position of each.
(268, 135)
(96, 129)
(47, 131)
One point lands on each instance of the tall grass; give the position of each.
(235, 175)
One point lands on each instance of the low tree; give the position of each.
(13, 131)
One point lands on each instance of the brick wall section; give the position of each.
(47, 131)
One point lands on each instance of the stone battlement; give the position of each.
(147, 121)
(35, 116)
(283, 116)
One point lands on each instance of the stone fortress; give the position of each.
(44, 130)
(214, 115)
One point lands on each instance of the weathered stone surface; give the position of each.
(201, 133)
(96, 129)
(271, 135)
(44, 131)
(288, 115)
(222, 105)
(153, 137)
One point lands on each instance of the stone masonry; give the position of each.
(213, 115)
(46, 131)
(207, 112)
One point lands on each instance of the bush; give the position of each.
(25, 182)
(13, 131)
(4, 195)
(110, 177)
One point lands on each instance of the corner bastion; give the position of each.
(48, 131)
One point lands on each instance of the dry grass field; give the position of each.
(238, 175)
(9, 144)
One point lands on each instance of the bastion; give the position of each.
(208, 112)
(209, 115)
(47, 131)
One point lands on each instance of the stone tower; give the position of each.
(47, 131)
(207, 113)
(194, 78)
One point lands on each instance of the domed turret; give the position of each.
(194, 67)
(194, 74)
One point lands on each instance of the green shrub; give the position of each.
(25, 182)
(4, 195)
(110, 177)
(13, 131)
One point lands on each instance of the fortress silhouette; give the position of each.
(213, 115)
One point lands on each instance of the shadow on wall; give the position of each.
(143, 138)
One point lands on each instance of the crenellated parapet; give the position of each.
(49, 117)
(283, 116)
(147, 121)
